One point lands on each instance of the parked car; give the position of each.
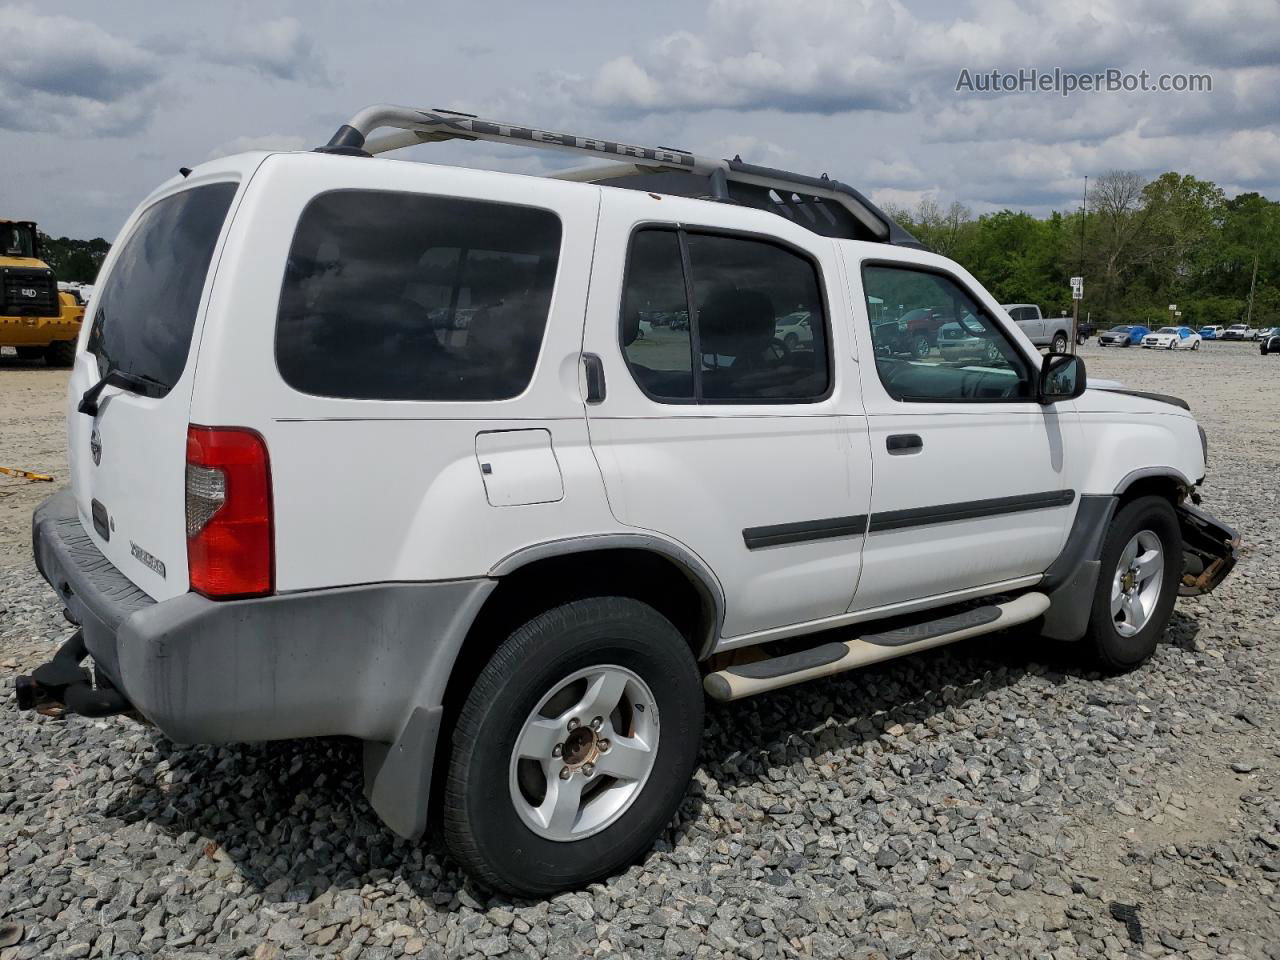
(1173, 338)
(1212, 332)
(1084, 330)
(794, 331)
(1240, 331)
(1123, 336)
(1051, 332)
(514, 560)
(1270, 344)
(1266, 332)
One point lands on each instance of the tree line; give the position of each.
(1140, 245)
(76, 261)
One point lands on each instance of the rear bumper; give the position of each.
(354, 661)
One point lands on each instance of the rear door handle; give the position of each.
(594, 367)
(904, 443)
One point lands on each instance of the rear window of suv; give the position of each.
(397, 296)
(146, 310)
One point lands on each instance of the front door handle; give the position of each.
(899, 444)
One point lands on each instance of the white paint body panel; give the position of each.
(702, 474)
(971, 451)
(141, 478)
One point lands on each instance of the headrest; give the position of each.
(630, 327)
(735, 323)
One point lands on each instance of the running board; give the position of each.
(748, 679)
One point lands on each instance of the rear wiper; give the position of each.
(133, 382)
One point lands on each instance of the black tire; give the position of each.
(482, 827)
(30, 353)
(920, 346)
(61, 353)
(1059, 344)
(1111, 651)
(791, 341)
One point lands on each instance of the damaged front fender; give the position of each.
(1210, 549)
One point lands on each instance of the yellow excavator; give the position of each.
(35, 317)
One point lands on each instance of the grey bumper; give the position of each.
(355, 661)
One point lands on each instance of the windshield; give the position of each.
(1237, 326)
(1121, 329)
(146, 310)
(17, 240)
(1167, 330)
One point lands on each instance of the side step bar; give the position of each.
(748, 679)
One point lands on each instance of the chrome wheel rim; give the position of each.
(1138, 580)
(584, 753)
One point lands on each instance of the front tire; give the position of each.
(1137, 586)
(60, 353)
(574, 748)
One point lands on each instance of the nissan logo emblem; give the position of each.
(95, 446)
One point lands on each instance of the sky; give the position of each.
(101, 102)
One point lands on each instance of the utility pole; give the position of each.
(1248, 320)
(1075, 301)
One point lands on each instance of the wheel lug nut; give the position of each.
(573, 723)
(604, 746)
(565, 773)
(588, 768)
(597, 723)
(557, 749)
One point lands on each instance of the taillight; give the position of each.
(230, 551)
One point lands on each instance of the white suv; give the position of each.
(372, 448)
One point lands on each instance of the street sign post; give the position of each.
(1077, 294)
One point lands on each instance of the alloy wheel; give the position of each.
(584, 753)
(1137, 582)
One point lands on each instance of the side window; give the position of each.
(656, 337)
(753, 299)
(758, 330)
(397, 296)
(933, 342)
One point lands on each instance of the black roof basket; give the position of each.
(825, 206)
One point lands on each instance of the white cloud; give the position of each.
(279, 48)
(63, 75)
(270, 141)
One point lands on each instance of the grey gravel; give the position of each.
(986, 800)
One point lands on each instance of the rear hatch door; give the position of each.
(128, 455)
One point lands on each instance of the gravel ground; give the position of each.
(989, 799)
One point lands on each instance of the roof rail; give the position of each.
(826, 206)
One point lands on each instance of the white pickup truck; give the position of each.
(1051, 332)
(514, 556)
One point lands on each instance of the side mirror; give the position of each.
(1062, 377)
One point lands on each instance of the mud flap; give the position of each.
(1210, 550)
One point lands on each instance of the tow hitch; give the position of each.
(63, 686)
(1210, 549)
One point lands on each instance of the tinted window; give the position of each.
(146, 309)
(960, 354)
(393, 296)
(655, 317)
(746, 290)
(758, 330)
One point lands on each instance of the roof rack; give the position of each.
(825, 206)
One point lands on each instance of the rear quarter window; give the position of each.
(399, 296)
(145, 312)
